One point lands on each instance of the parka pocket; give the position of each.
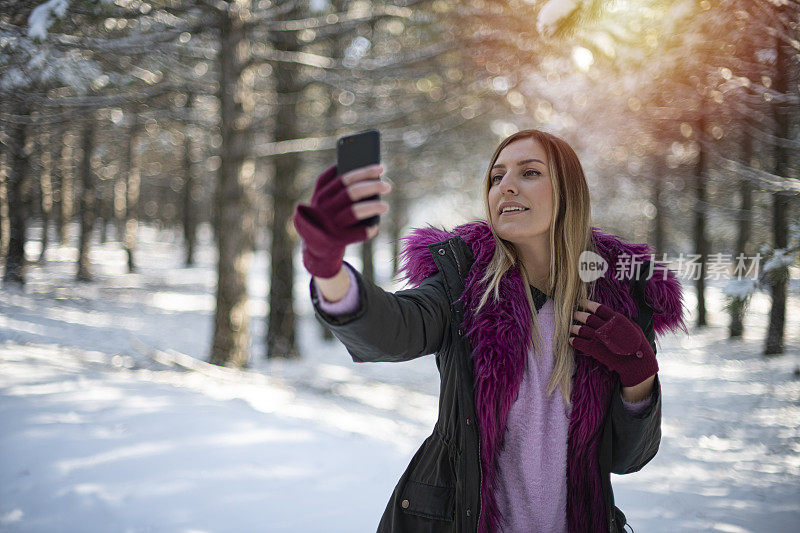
(429, 490)
(429, 501)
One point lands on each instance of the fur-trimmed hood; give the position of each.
(499, 358)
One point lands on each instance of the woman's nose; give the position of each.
(507, 184)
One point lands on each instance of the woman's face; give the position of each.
(521, 175)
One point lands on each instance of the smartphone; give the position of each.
(359, 150)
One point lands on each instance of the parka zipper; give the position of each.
(455, 256)
(480, 469)
(480, 485)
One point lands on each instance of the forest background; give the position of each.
(153, 151)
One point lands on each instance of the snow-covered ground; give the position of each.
(97, 436)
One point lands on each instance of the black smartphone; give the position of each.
(359, 150)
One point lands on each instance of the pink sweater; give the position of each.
(532, 482)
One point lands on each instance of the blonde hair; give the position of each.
(570, 234)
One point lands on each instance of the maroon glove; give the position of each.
(618, 343)
(327, 226)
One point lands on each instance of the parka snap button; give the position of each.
(639, 354)
(404, 504)
(468, 421)
(441, 251)
(460, 331)
(469, 513)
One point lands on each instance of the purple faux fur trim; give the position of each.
(416, 262)
(499, 360)
(663, 295)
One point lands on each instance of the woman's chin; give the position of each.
(507, 233)
(513, 232)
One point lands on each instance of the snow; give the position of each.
(29, 62)
(43, 16)
(553, 12)
(740, 288)
(356, 51)
(779, 260)
(794, 232)
(95, 435)
(45, 66)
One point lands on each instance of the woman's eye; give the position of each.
(500, 176)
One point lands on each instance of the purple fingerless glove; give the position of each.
(327, 225)
(619, 344)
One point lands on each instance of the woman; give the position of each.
(502, 304)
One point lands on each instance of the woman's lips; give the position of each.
(514, 212)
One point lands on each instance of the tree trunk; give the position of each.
(744, 227)
(658, 234)
(780, 203)
(67, 187)
(280, 314)
(3, 203)
(189, 192)
(233, 213)
(701, 204)
(367, 263)
(102, 215)
(368, 247)
(88, 203)
(133, 178)
(120, 194)
(338, 45)
(779, 284)
(56, 179)
(398, 211)
(17, 208)
(46, 189)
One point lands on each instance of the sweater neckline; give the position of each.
(539, 298)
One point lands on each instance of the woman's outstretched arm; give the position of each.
(385, 326)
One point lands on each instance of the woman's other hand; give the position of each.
(615, 341)
(331, 221)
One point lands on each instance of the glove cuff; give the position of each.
(323, 267)
(635, 375)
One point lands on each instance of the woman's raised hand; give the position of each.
(615, 341)
(331, 221)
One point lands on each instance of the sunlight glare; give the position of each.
(582, 57)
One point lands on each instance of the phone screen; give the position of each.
(359, 150)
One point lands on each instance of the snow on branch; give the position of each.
(409, 135)
(740, 289)
(341, 20)
(553, 13)
(387, 62)
(43, 16)
(764, 180)
(781, 258)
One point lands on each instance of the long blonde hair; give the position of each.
(570, 234)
